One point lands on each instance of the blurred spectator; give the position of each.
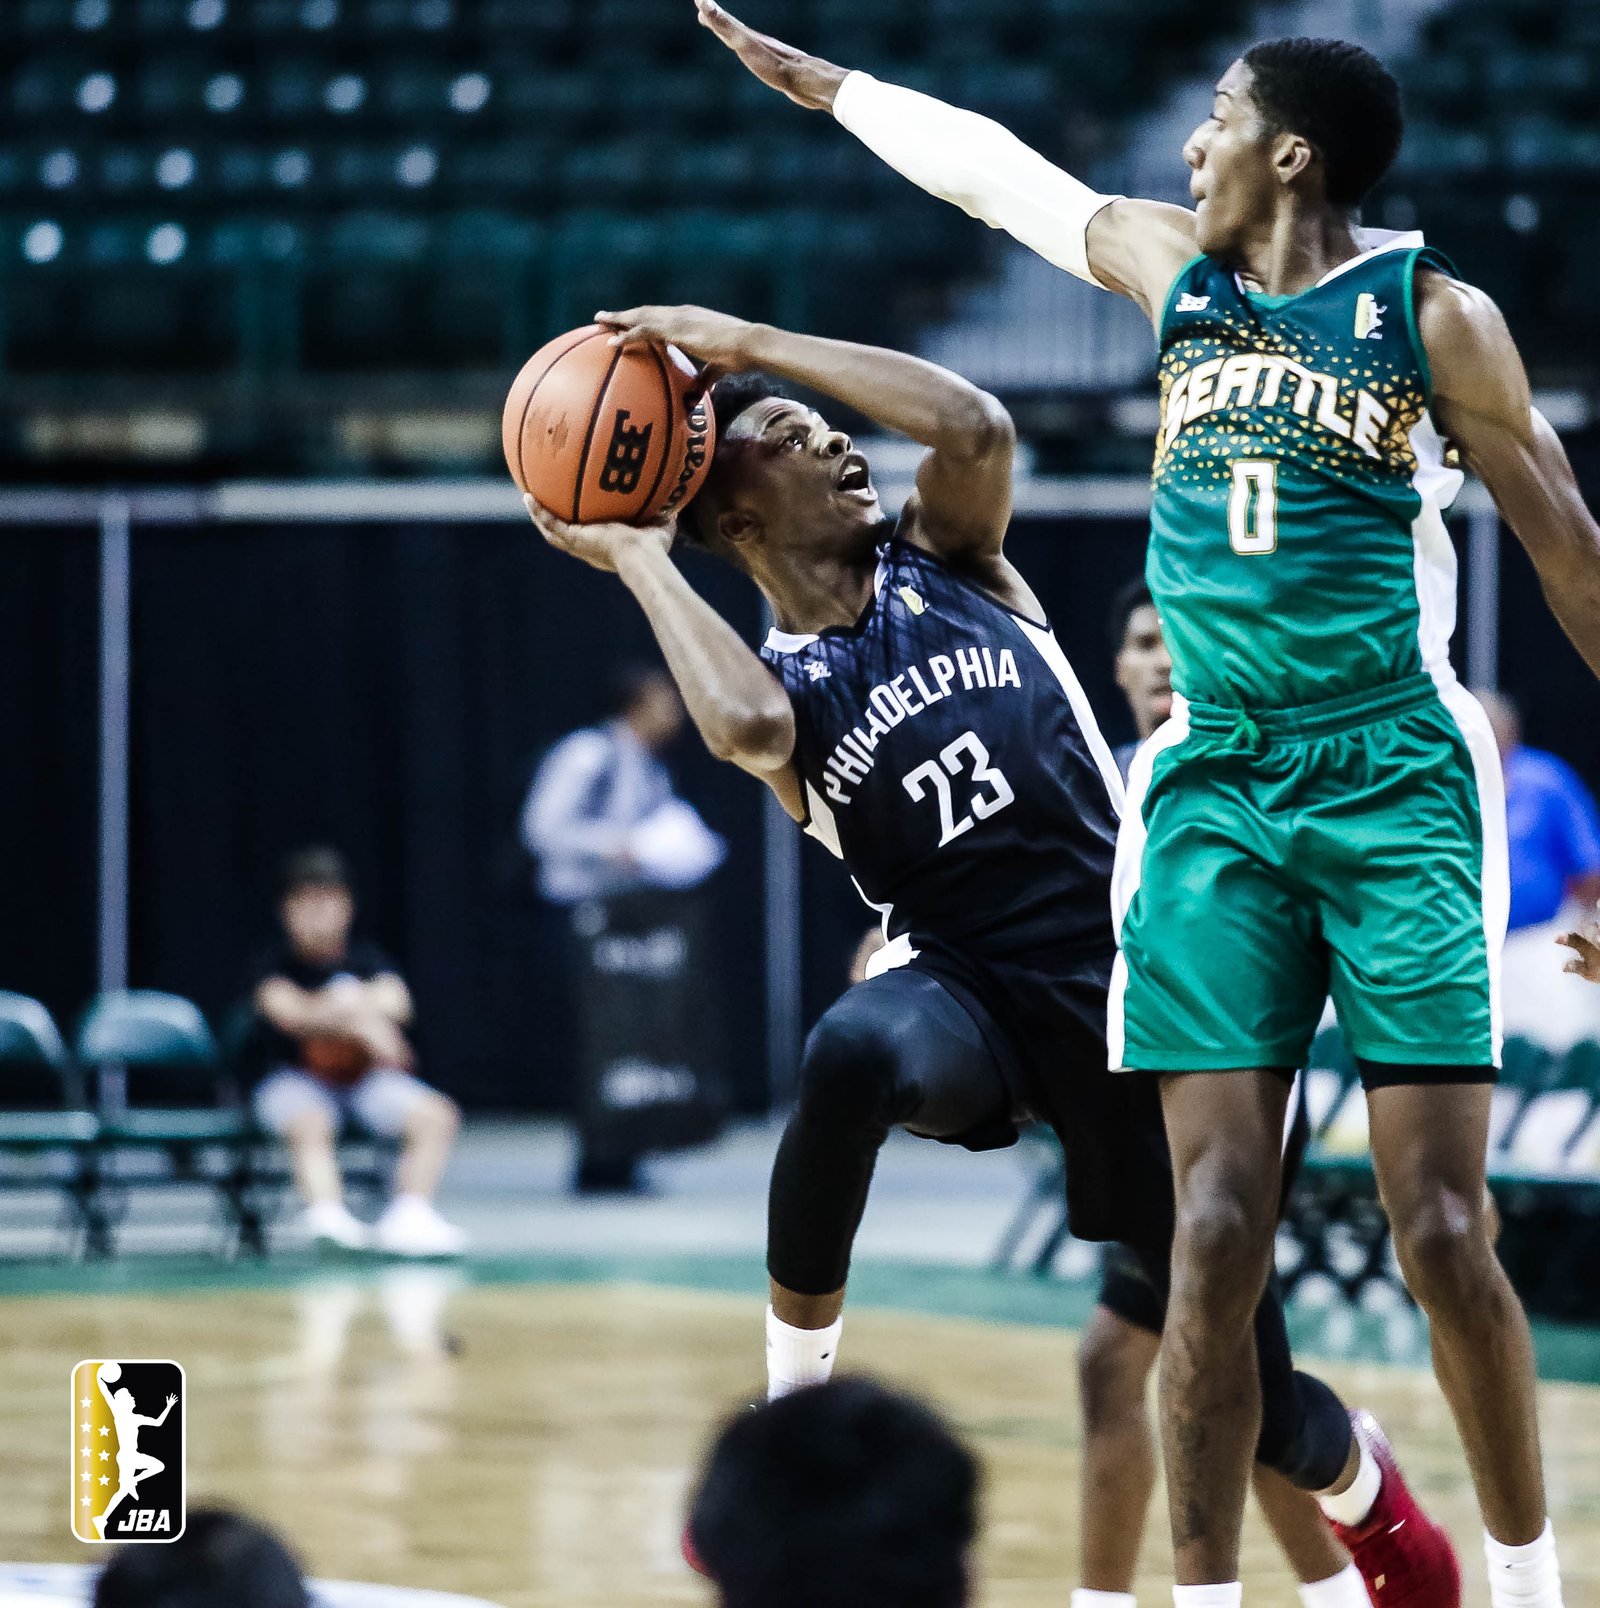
(617, 848)
(1143, 667)
(334, 1014)
(847, 1494)
(222, 1560)
(1553, 833)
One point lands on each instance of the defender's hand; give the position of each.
(1584, 960)
(602, 546)
(808, 81)
(717, 340)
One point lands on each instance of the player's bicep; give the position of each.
(1137, 247)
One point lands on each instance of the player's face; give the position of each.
(1144, 669)
(1231, 176)
(804, 482)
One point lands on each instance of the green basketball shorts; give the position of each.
(1266, 860)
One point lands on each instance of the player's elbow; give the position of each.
(980, 429)
(757, 736)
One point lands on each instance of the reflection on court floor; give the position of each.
(532, 1445)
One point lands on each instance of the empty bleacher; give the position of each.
(202, 191)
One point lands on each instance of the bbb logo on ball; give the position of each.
(625, 457)
(128, 1441)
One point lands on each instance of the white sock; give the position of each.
(1082, 1597)
(797, 1357)
(1350, 1508)
(1524, 1577)
(1343, 1590)
(1229, 1596)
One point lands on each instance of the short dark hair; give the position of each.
(1132, 596)
(222, 1560)
(730, 396)
(315, 867)
(1339, 97)
(846, 1493)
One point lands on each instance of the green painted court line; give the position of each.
(1565, 1352)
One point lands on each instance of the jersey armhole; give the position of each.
(1172, 291)
(961, 578)
(1422, 257)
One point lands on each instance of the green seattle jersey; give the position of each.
(1298, 549)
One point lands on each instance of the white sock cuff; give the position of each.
(1343, 1590)
(1220, 1596)
(1082, 1597)
(797, 1357)
(1542, 1545)
(1352, 1507)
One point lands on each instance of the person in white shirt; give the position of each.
(614, 846)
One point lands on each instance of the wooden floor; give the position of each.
(532, 1445)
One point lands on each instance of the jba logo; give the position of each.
(128, 1441)
(145, 1521)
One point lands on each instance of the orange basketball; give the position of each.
(597, 431)
(339, 1060)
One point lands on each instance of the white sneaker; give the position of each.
(411, 1227)
(332, 1226)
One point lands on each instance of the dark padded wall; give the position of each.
(387, 689)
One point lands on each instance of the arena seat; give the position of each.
(181, 1105)
(49, 1139)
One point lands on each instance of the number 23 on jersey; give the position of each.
(990, 791)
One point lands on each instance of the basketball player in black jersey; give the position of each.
(915, 713)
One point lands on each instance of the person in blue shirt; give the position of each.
(1552, 824)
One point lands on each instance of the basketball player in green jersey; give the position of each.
(1323, 812)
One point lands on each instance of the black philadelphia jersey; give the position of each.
(950, 759)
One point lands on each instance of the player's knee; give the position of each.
(1224, 1239)
(1113, 1376)
(850, 1068)
(1445, 1250)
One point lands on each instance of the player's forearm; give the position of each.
(734, 701)
(1545, 508)
(902, 393)
(977, 165)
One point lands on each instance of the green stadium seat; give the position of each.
(48, 1138)
(181, 1102)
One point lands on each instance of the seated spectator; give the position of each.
(222, 1560)
(847, 1494)
(1553, 838)
(334, 1014)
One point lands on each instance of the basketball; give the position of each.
(339, 1060)
(111, 1372)
(602, 432)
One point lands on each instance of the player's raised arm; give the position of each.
(1133, 247)
(1482, 403)
(963, 503)
(735, 702)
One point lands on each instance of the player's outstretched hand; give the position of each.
(603, 546)
(808, 81)
(717, 340)
(1585, 946)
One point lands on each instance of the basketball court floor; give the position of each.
(524, 1429)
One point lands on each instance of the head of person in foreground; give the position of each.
(847, 1493)
(222, 1560)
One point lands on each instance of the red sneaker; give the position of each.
(1405, 1559)
(690, 1556)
